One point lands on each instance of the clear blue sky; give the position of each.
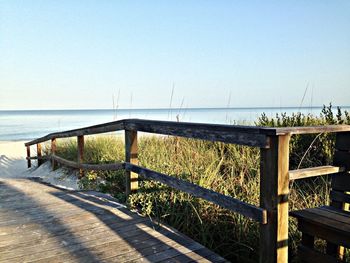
(77, 54)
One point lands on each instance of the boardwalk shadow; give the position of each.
(24, 213)
(125, 236)
(142, 242)
(11, 167)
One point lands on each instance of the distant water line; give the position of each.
(30, 124)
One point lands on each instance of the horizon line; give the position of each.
(182, 108)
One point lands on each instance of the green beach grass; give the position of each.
(226, 168)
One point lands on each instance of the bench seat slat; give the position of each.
(325, 219)
(325, 223)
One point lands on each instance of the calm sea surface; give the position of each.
(26, 125)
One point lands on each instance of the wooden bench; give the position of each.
(331, 223)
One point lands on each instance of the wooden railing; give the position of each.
(274, 168)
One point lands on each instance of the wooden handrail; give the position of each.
(233, 204)
(245, 135)
(84, 166)
(96, 129)
(312, 129)
(274, 168)
(256, 213)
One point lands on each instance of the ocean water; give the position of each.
(30, 124)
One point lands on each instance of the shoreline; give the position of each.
(175, 108)
(27, 124)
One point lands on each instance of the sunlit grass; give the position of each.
(226, 168)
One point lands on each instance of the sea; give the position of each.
(17, 125)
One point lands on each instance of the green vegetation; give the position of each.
(226, 168)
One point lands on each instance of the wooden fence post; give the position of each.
(53, 151)
(274, 192)
(81, 154)
(131, 157)
(39, 154)
(29, 162)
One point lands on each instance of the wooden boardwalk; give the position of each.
(43, 223)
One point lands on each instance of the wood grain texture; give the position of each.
(53, 152)
(228, 202)
(330, 223)
(95, 129)
(246, 135)
(243, 135)
(56, 225)
(314, 171)
(235, 205)
(131, 178)
(325, 224)
(274, 188)
(29, 163)
(239, 134)
(80, 144)
(39, 153)
(274, 194)
(312, 129)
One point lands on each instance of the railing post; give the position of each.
(81, 154)
(29, 162)
(274, 192)
(131, 157)
(53, 151)
(39, 154)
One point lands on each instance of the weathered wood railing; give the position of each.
(274, 169)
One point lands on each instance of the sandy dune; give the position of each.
(14, 165)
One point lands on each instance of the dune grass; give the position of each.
(226, 168)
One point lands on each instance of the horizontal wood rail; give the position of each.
(235, 205)
(314, 171)
(245, 135)
(96, 129)
(89, 167)
(274, 167)
(312, 129)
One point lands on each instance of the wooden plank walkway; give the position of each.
(43, 223)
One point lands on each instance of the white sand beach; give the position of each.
(13, 164)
